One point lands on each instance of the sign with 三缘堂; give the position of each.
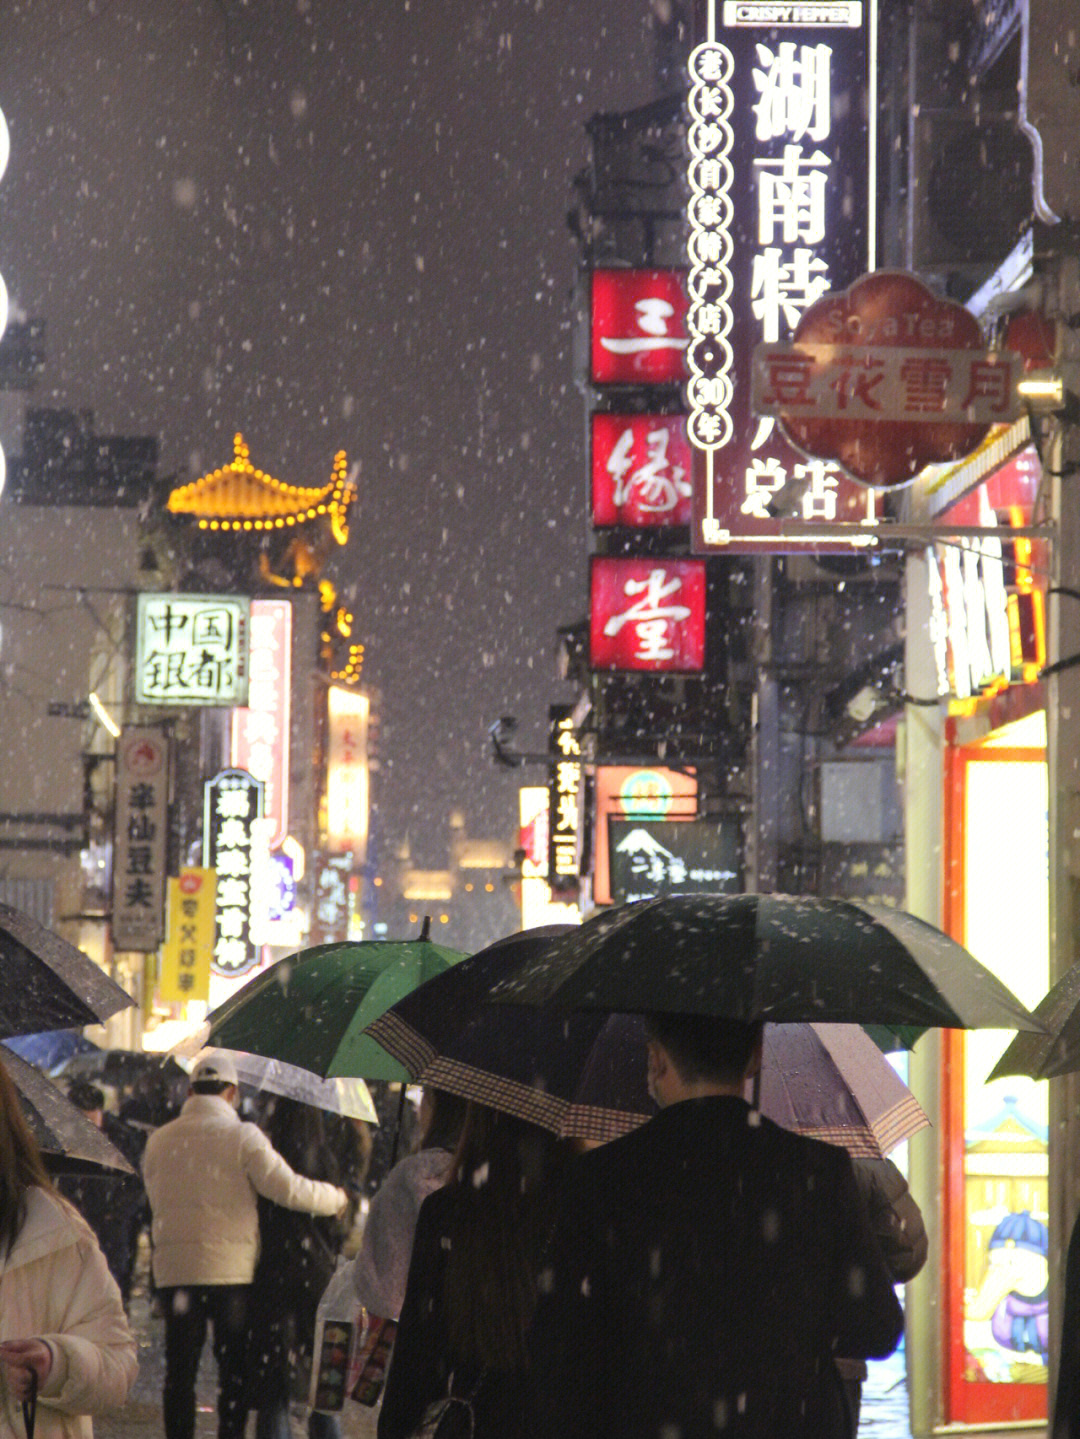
(192, 649)
(780, 212)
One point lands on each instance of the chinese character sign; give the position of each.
(260, 731)
(232, 807)
(638, 323)
(566, 790)
(139, 856)
(330, 907)
(778, 215)
(192, 649)
(347, 782)
(185, 956)
(654, 857)
(640, 470)
(647, 614)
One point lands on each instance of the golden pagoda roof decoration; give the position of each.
(239, 497)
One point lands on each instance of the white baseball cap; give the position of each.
(216, 1066)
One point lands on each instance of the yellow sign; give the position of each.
(185, 955)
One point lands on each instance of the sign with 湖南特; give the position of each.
(780, 212)
(192, 649)
(232, 849)
(139, 858)
(565, 802)
(185, 955)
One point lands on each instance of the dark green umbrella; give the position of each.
(310, 1009)
(1044, 1056)
(784, 958)
(46, 983)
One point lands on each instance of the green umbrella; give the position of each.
(309, 1009)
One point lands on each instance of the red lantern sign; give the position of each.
(640, 470)
(639, 334)
(886, 378)
(647, 614)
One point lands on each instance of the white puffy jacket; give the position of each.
(203, 1172)
(56, 1286)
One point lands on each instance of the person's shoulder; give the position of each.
(51, 1223)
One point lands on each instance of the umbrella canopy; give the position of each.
(582, 1073)
(311, 1009)
(777, 957)
(51, 1048)
(1044, 1056)
(48, 983)
(66, 1138)
(349, 1097)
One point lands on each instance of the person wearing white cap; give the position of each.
(203, 1173)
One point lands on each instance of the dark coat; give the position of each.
(1066, 1418)
(705, 1271)
(423, 1363)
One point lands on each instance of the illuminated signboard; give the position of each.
(331, 907)
(781, 145)
(638, 327)
(5, 149)
(537, 905)
(260, 731)
(191, 649)
(232, 807)
(347, 779)
(648, 794)
(142, 807)
(564, 807)
(640, 470)
(185, 955)
(653, 857)
(647, 614)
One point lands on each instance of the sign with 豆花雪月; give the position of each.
(192, 649)
(139, 856)
(780, 212)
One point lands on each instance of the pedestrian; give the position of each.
(706, 1268)
(381, 1267)
(298, 1256)
(472, 1282)
(111, 1202)
(204, 1172)
(897, 1224)
(63, 1332)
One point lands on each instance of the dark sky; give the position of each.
(340, 224)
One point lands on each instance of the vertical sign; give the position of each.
(232, 806)
(640, 470)
(330, 898)
(347, 789)
(564, 808)
(142, 800)
(5, 149)
(185, 956)
(260, 732)
(647, 614)
(781, 145)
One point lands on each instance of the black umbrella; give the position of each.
(48, 983)
(1044, 1056)
(68, 1141)
(782, 958)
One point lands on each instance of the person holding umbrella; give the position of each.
(65, 1346)
(706, 1269)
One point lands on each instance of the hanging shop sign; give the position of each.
(640, 470)
(565, 787)
(139, 856)
(185, 955)
(260, 731)
(348, 791)
(5, 150)
(192, 649)
(538, 905)
(647, 614)
(649, 794)
(331, 898)
(654, 857)
(886, 379)
(638, 327)
(232, 806)
(780, 212)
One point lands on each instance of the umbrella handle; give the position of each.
(397, 1128)
(29, 1407)
(425, 928)
(755, 1090)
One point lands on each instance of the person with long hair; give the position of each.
(65, 1344)
(297, 1256)
(473, 1279)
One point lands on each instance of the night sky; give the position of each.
(341, 224)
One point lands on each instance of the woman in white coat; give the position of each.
(63, 1332)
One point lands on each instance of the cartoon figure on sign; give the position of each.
(1012, 1294)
